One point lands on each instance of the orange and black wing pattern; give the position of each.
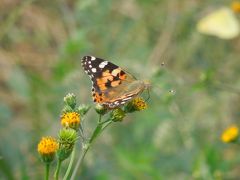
(108, 81)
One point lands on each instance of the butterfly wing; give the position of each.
(111, 85)
(123, 93)
(221, 23)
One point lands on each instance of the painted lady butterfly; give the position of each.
(111, 86)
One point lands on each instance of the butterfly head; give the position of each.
(147, 84)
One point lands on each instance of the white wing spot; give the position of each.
(89, 62)
(93, 58)
(90, 66)
(103, 64)
(127, 98)
(94, 70)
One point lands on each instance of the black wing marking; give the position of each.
(95, 68)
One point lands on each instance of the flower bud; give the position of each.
(117, 115)
(83, 109)
(70, 100)
(100, 109)
(67, 139)
(67, 109)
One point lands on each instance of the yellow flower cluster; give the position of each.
(70, 119)
(139, 104)
(47, 146)
(230, 134)
(235, 6)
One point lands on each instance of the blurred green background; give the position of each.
(194, 96)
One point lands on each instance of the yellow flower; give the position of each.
(47, 148)
(235, 6)
(71, 120)
(230, 134)
(137, 104)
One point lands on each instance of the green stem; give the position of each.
(106, 125)
(47, 171)
(70, 164)
(100, 127)
(100, 118)
(79, 162)
(103, 122)
(57, 170)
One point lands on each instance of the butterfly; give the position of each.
(221, 23)
(111, 85)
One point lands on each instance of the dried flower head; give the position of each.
(230, 134)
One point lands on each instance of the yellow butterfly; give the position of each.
(221, 23)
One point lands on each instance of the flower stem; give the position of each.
(47, 171)
(79, 162)
(100, 127)
(70, 164)
(103, 122)
(106, 125)
(57, 170)
(100, 118)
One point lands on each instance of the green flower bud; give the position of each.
(67, 109)
(117, 115)
(83, 109)
(67, 139)
(70, 100)
(100, 109)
